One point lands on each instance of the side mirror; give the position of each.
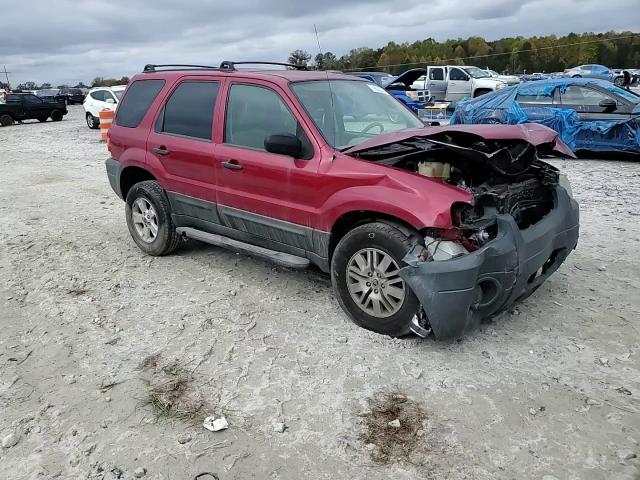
(608, 104)
(284, 144)
(110, 100)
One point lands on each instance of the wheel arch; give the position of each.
(350, 220)
(132, 175)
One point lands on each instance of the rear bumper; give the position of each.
(114, 169)
(457, 294)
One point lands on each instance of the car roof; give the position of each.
(113, 87)
(558, 82)
(282, 77)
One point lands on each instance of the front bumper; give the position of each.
(457, 294)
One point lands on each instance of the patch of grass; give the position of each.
(388, 443)
(170, 390)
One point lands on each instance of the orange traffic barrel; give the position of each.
(106, 118)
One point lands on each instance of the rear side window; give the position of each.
(98, 95)
(189, 110)
(137, 101)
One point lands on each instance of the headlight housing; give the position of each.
(500, 85)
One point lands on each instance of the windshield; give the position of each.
(349, 112)
(632, 97)
(493, 73)
(383, 80)
(475, 72)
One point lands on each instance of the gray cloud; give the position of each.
(68, 41)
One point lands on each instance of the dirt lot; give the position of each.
(548, 391)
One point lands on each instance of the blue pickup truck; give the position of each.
(400, 87)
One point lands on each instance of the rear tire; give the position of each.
(56, 115)
(149, 219)
(42, 119)
(577, 76)
(387, 245)
(92, 122)
(6, 120)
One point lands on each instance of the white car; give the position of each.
(100, 98)
(449, 83)
(508, 79)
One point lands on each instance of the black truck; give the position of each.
(26, 106)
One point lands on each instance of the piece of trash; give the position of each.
(394, 423)
(215, 424)
(623, 390)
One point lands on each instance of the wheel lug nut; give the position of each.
(368, 284)
(375, 291)
(370, 274)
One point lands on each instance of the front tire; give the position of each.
(364, 276)
(149, 219)
(480, 91)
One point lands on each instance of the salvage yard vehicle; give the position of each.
(508, 79)
(589, 115)
(401, 87)
(26, 106)
(452, 82)
(422, 229)
(101, 98)
(599, 72)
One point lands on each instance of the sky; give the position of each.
(67, 41)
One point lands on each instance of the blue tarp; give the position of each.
(501, 107)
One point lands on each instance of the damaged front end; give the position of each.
(519, 228)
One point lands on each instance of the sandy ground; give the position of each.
(550, 390)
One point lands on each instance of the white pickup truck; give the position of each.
(452, 82)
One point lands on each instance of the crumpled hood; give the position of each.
(530, 132)
(408, 77)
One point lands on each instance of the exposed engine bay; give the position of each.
(505, 177)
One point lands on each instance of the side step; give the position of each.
(284, 259)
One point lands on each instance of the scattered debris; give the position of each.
(279, 427)
(593, 402)
(112, 341)
(604, 361)
(391, 426)
(624, 455)
(342, 339)
(139, 472)
(215, 424)
(171, 393)
(602, 268)
(186, 438)
(623, 390)
(10, 440)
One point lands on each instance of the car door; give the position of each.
(437, 83)
(588, 103)
(459, 85)
(182, 142)
(35, 107)
(265, 195)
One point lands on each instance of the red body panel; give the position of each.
(312, 193)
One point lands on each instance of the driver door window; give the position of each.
(255, 113)
(436, 74)
(457, 74)
(32, 100)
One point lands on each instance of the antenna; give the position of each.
(6, 74)
(334, 120)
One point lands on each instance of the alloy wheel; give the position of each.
(145, 220)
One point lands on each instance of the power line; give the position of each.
(513, 52)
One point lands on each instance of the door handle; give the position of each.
(161, 150)
(232, 165)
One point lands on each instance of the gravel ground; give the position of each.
(549, 390)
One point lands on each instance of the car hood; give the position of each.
(408, 77)
(530, 132)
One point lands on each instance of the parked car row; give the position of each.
(26, 106)
(98, 99)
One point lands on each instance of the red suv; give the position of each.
(423, 229)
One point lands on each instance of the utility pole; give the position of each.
(6, 74)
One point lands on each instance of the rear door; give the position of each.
(437, 83)
(262, 194)
(182, 142)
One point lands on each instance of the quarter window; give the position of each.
(189, 110)
(98, 95)
(255, 113)
(140, 95)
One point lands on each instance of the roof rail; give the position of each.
(228, 65)
(152, 68)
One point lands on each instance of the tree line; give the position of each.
(97, 82)
(548, 53)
